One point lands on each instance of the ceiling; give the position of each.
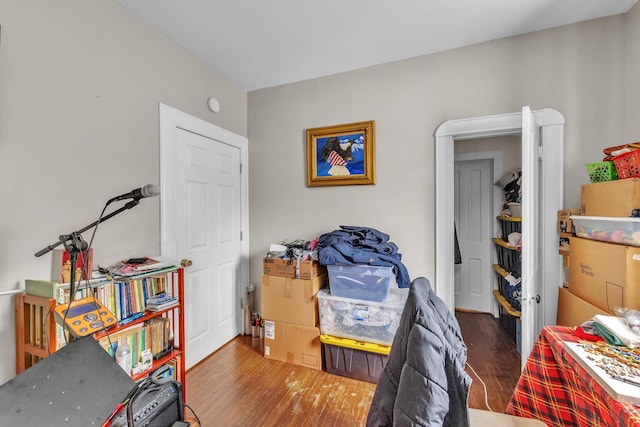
(260, 43)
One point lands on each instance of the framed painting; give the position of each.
(341, 155)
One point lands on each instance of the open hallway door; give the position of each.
(531, 252)
(544, 129)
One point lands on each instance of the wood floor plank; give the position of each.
(492, 358)
(237, 386)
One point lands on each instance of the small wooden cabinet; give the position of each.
(35, 330)
(38, 335)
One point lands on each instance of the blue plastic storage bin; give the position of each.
(368, 282)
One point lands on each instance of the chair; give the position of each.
(480, 418)
(424, 377)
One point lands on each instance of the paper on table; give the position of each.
(618, 390)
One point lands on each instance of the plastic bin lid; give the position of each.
(356, 345)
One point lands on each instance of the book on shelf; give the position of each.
(61, 265)
(142, 264)
(158, 298)
(153, 335)
(124, 298)
(166, 303)
(174, 365)
(160, 331)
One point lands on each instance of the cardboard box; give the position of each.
(565, 224)
(573, 310)
(292, 343)
(611, 198)
(289, 268)
(291, 300)
(605, 274)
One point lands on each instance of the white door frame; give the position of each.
(552, 130)
(497, 158)
(170, 120)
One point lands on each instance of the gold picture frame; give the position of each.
(341, 155)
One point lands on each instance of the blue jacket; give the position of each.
(424, 382)
(362, 245)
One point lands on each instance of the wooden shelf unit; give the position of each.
(508, 259)
(503, 302)
(508, 218)
(36, 334)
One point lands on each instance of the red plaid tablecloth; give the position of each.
(555, 389)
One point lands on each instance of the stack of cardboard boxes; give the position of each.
(602, 275)
(290, 311)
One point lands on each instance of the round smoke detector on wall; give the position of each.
(213, 104)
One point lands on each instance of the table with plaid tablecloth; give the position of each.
(554, 388)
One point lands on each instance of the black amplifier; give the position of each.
(157, 406)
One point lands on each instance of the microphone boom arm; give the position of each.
(66, 237)
(74, 244)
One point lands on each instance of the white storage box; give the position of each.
(515, 209)
(362, 320)
(623, 230)
(369, 282)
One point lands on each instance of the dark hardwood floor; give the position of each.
(236, 386)
(491, 357)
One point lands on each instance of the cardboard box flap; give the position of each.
(573, 310)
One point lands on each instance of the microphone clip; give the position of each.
(74, 243)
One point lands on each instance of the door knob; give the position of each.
(185, 263)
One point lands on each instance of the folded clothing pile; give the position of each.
(362, 246)
(613, 329)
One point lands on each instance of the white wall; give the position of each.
(632, 74)
(80, 83)
(511, 147)
(576, 69)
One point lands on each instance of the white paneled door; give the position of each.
(202, 221)
(208, 202)
(531, 230)
(473, 218)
